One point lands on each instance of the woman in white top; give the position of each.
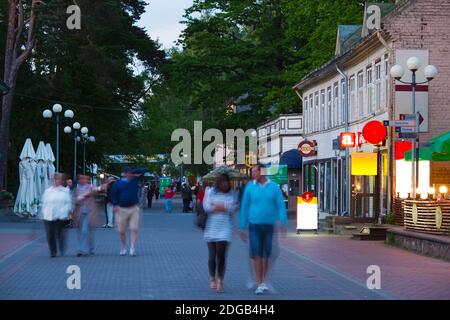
(56, 208)
(219, 203)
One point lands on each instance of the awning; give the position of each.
(438, 149)
(292, 159)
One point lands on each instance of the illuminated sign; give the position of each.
(348, 140)
(307, 212)
(374, 132)
(364, 164)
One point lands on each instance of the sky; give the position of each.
(162, 20)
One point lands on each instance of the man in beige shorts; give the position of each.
(125, 200)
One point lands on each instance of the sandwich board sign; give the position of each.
(307, 212)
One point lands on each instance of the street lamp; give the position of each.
(397, 72)
(47, 114)
(85, 139)
(76, 126)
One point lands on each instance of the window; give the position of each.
(369, 91)
(377, 87)
(336, 113)
(322, 109)
(316, 112)
(305, 113)
(361, 112)
(386, 84)
(311, 119)
(342, 110)
(352, 106)
(329, 109)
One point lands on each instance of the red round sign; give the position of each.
(374, 132)
(307, 196)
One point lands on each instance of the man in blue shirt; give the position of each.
(262, 206)
(125, 199)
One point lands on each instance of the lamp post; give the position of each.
(76, 126)
(47, 114)
(397, 73)
(85, 139)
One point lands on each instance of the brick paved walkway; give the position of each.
(171, 264)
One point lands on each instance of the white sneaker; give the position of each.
(132, 252)
(123, 252)
(259, 290)
(264, 287)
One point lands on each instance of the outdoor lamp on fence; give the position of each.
(432, 192)
(443, 190)
(403, 195)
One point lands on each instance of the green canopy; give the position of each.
(438, 149)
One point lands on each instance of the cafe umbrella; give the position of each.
(50, 160)
(232, 173)
(27, 199)
(42, 181)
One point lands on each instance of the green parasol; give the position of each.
(438, 149)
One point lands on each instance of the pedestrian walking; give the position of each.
(156, 192)
(56, 208)
(219, 203)
(262, 206)
(125, 200)
(86, 216)
(109, 207)
(150, 194)
(168, 195)
(186, 195)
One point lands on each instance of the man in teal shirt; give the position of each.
(262, 206)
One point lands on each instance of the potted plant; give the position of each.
(6, 198)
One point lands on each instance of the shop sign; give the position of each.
(348, 139)
(364, 164)
(307, 148)
(374, 132)
(307, 212)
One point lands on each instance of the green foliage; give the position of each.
(91, 71)
(249, 53)
(390, 218)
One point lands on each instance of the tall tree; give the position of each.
(20, 41)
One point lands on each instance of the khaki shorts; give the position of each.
(127, 218)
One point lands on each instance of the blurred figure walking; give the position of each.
(109, 207)
(86, 215)
(56, 208)
(186, 194)
(168, 195)
(262, 206)
(125, 199)
(219, 203)
(150, 194)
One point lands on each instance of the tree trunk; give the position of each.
(14, 58)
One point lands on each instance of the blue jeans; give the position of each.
(168, 205)
(85, 236)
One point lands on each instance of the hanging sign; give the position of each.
(307, 148)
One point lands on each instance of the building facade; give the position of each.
(365, 55)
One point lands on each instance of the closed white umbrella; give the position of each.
(42, 182)
(50, 166)
(27, 200)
